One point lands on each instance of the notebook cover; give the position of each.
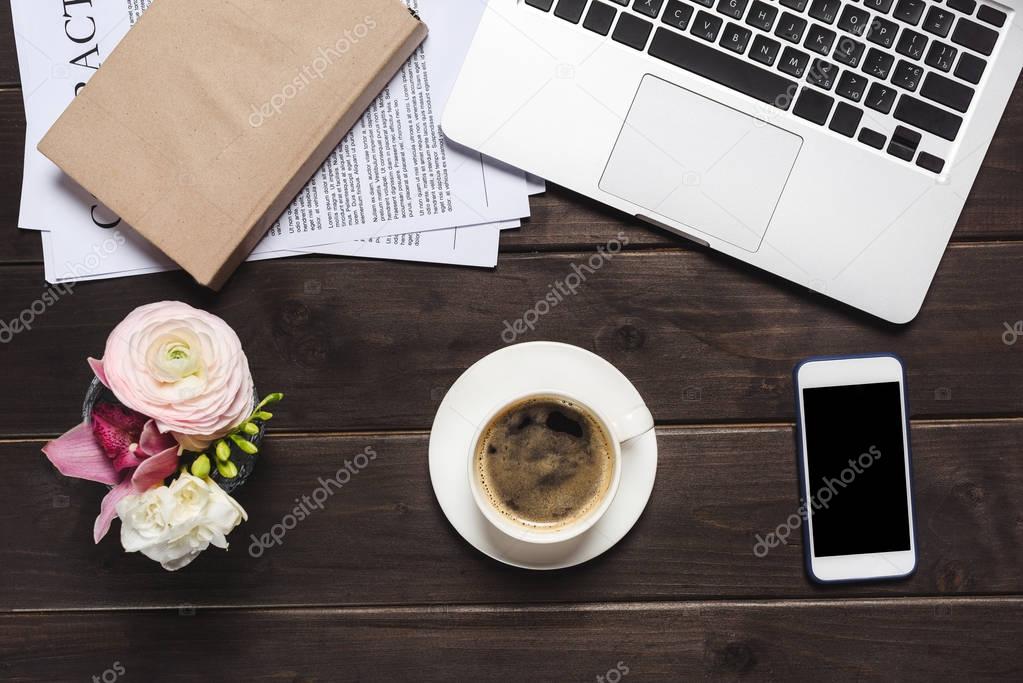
(211, 115)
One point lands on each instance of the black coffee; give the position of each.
(545, 463)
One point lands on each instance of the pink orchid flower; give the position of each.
(121, 448)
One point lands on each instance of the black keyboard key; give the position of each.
(705, 3)
(880, 97)
(911, 44)
(944, 90)
(790, 27)
(819, 39)
(722, 68)
(706, 26)
(854, 20)
(623, 3)
(846, 119)
(975, 37)
(600, 18)
(651, 8)
(907, 75)
(964, 6)
(678, 14)
(851, 85)
(813, 106)
(970, 68)
(941, 56)
(761, 15)
(881, 6)
(878, 64)
(926, 116)
(930, 162)
(765, 50)
(732, 8)
(793, 62)
(735, 38)
(938, 21)
(990, 15)
(848, 51)
(904, 143)
(798, 5)
(632, 31)
(822, 74)
(825, 10)
(872, 138)
(909, 11)
(570, 10)
(882, 32)
(545, 5)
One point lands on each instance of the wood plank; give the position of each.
(703, 339)
(717, 491)
(563, 220)
(8, 52)
(917, 640)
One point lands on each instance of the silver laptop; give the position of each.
(831, 142)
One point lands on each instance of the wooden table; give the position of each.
(378, 586)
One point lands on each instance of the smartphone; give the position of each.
(855, 469)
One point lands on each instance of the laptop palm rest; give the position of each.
(699, 163)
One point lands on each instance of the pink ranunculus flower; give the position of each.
(183, 367)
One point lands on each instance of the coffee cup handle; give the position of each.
(633, 424)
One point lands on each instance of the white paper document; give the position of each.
(391, 183)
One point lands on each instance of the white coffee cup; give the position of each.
(621, 428)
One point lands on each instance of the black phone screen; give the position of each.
(855, 455)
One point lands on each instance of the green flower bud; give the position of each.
(223, 451)
(262, 415)
(243, 445)
(201, 466)
(228, 470)
(250, 429)
(272, 398)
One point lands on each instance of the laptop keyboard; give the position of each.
(840, 64)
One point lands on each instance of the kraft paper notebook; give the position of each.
(211, 115)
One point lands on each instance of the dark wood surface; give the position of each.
(378, 586)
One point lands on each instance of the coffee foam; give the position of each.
(544, 463)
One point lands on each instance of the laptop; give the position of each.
(830, 142)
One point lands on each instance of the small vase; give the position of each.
(243, 461)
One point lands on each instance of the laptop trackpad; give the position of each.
(697, 162)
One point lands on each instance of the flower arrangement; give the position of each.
(172, 425)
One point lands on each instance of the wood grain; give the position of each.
(922, 640)
(383, 540)
(8, 53)
(703, 339)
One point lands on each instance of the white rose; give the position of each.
(172, 525)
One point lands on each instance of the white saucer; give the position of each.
(514, 370)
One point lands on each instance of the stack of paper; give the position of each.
(393, 189)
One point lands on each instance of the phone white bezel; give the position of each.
(846, 372)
